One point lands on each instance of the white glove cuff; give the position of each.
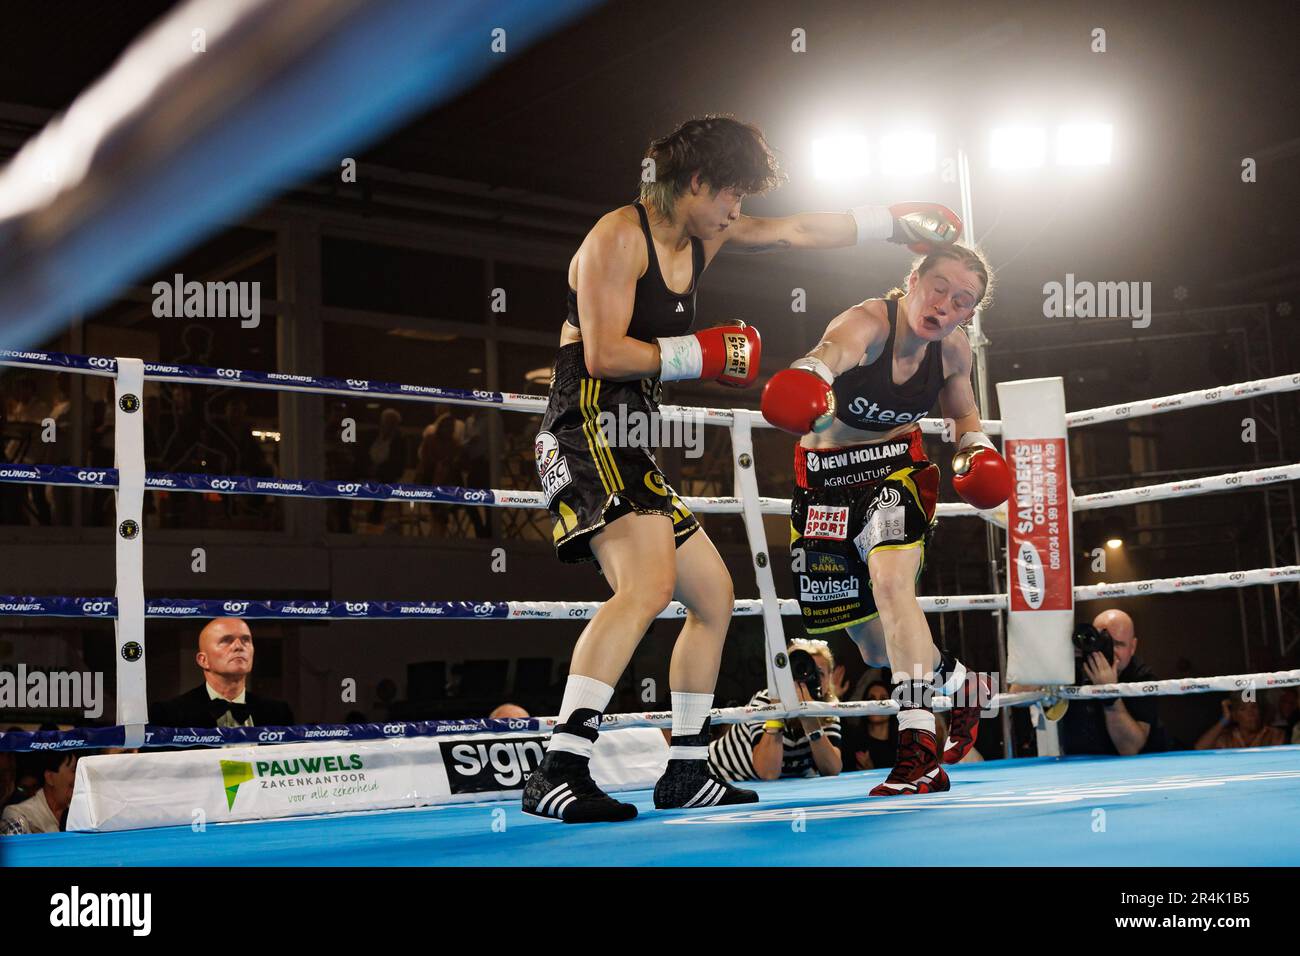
(975, 438)
(817, 367)
(680, 358)
(874, 222)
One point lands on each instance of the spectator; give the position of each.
(387, 456)
(766, 750)
(340, 465)
(1242, 725)
(44, 812)
(1116, 726)
(225, 656)
(23, 425)
(1287, 712)
(874, 742)
(439, 462)
(506, 711)
(474, 456)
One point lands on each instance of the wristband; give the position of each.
(773, 725)
(874, 222)
(816, 735)
(680, 357)
(975, 438)
(817, 367)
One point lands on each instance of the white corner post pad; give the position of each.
(874, 222)
(128, 454)
(680, 358)
(1040, 533)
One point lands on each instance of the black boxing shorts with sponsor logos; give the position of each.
(588, 476)
(848, 503)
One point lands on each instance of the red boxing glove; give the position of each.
(799, 399)
(981, 476)
(924, 225)
(729, 354)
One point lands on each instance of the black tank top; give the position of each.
(657, 311)
(867, 398)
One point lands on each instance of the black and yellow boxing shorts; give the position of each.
(590, 473)
(847, 503)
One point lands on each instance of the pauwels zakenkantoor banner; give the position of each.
(1039, 533)
(274, 781)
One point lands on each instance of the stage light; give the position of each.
(1114, 543)
(840, 156)
(1018, 147)
(1084, 144)
(907, 153)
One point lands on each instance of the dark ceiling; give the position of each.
(1191, 88)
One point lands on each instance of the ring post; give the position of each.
(128, 454)
(779, 677)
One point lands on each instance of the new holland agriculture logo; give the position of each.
(339, 775)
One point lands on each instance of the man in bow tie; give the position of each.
(225, 656)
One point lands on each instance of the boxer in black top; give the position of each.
(864, 502)
(632, 290)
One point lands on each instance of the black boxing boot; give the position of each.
(562, 788)
(690, 782)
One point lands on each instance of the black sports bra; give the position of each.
(867, 398)
(658, 310)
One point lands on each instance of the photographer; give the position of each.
(805, 747)
(1118, 726)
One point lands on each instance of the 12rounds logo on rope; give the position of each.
(552, 467)
(132, 651)
(128, 529)
(478, 766)
(129, 403)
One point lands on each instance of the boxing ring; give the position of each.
(184, 143)
(1221, 808)
(1235, 801)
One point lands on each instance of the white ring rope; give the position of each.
(1233, 683)
(1172, 403)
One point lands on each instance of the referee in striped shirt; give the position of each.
(766, 750)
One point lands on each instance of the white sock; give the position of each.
(916, 719)
(689, 712)
(585, 692)
(579, 693)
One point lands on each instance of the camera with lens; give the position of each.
(1087, 641)
(804, 670)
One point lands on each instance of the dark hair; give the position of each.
(965, 256)
(727, 153)
(866, 692)
(52, 761)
